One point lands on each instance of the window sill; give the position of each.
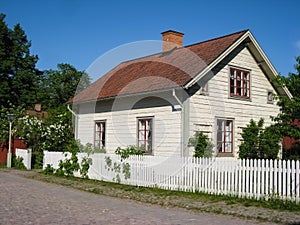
(229, 154)
(240, 98)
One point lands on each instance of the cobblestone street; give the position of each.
(27, 201)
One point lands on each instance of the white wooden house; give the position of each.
(159, 101)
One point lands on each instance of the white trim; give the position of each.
(218, 60)
(261, 53)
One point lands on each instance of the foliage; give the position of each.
(68, 166)
(4, 124)
(48, 170)
(202, 145)
(290, 108)
(58, 133)
(19, 76)
(259, 143)
(37, 160)
(130, 150)
(54, 133)
(60, 85)
(122, 167)
(17, 162)
(275, 201)
(119, 168)
(85, 166)
(292, 153)
(89, 148)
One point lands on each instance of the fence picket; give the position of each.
(240, 177)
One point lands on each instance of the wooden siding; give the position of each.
(204, 109)
(121, 125)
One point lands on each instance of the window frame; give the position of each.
(270, 93)
(145, 139)
(100, 143)
(242, 88)
(204, 89)
(224, 139)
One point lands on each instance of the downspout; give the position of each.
(182, 121)
(76, 121)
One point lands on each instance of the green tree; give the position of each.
(290, 108)
(203, 147)
(259, 142)
(4, 124)
(61, 85)
(19, 77)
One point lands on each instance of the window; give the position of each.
(145, 134)
(270, 96)
(204, 89)
(224, 135)
(239, 83)
(100, 128)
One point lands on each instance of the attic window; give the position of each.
(239, 83)
(270, 97)
(204, 89)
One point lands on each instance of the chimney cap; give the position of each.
(172, 31)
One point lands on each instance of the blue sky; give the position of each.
(78, 32)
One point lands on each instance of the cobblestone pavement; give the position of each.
(27, 201)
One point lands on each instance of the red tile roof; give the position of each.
(160, 71)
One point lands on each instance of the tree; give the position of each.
(61, 85)
(290, 108)
(203, 147)
(19, 77)
(259, 142)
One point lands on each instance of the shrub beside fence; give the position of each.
(25, 154)
(238, 177)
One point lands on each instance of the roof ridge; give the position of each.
(242, 31)
(186, 46)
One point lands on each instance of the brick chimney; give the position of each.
(171, 39)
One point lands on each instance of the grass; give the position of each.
(159, 194)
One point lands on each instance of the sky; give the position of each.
(82, 33)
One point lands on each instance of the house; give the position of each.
(159, 101)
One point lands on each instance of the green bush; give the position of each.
(259, 142)
(130, 150)
(90, 149)
(17, 162)
(49, 169)
(202, 145)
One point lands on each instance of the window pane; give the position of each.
(239, 83)
(224, 136)
(145, 134)
(99, 141)
(232, 88)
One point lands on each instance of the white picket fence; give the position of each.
(25, 154)
(221, 176)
